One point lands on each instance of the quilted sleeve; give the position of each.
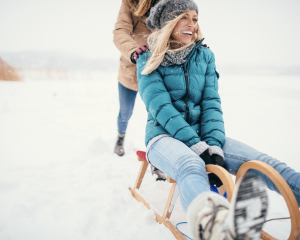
(158, 102)
(211, 119)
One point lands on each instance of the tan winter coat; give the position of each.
(130, 33)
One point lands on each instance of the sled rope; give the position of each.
(277, 219)
(182, 232)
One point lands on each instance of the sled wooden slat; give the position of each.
(266, 236)
(174, 193)
(285, 191)
(170, 180)
(141, 174)
(222, 190)
(159, 219)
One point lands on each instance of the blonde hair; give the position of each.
(142, 7)
(160, 43)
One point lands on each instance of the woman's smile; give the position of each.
(187, 34)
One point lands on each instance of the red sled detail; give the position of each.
(141, 154)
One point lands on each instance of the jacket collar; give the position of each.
(198, 44)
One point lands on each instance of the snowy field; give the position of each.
(59, 178)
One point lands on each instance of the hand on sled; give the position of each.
(210, 157)
(206, 157)
(218, 160)
(139, 51)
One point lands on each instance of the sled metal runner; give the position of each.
(228, 186)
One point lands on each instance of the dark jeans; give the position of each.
(127, 100)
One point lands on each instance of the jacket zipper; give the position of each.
(186, 93)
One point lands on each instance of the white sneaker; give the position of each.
(212, 217)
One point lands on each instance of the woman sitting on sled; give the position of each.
(178, 83)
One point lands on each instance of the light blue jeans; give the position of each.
(183, 165)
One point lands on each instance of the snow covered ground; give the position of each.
(59, 178)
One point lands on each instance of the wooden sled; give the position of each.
(285, 191)
(228, 186)
(174, 193)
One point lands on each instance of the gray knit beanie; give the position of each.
(167, 10)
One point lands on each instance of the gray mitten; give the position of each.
(199, 147)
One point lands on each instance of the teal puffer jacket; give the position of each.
(183, 100)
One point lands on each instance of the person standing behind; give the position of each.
(130, 36)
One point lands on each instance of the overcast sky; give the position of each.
(256, 32)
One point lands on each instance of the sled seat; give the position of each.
(228, 186)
